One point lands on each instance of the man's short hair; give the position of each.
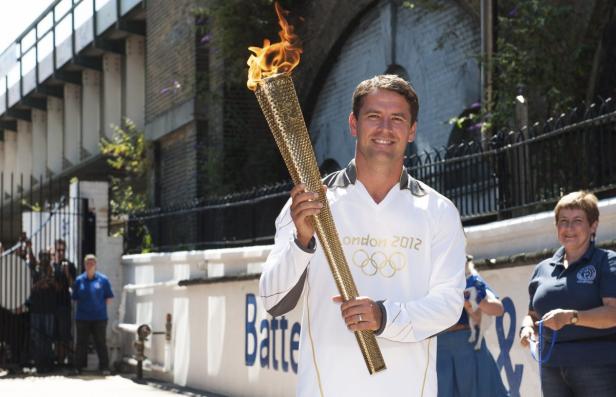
(580, 200)
(89, 257)
(389, 82)
(60, 242)
(44, 256)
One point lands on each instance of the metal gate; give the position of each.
(36, 214)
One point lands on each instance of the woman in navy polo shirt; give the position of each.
(574, 293)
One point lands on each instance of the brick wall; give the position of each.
(251, 155)
(439, 50)
(322, 40)
(229, 146)
(177, 183)
(436, 47)
(170, 55)
(236, 150)
(178, 169)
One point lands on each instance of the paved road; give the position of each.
(90, 386)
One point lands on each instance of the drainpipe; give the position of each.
(487, 50)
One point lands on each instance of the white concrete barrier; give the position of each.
(224, 342)
(532, 233)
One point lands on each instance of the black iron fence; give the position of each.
(234, 220)
(522, 172)
(512, 174)
(40, 211)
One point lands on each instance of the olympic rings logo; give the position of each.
(379, 262)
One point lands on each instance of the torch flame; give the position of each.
(275, 58)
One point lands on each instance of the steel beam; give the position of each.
(50, 90)
(67, 77)
(94, 63)
(36, 103)
(20, 114)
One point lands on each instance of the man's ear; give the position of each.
(353, 124)
(412, 132)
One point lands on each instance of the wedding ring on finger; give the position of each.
(360, 319)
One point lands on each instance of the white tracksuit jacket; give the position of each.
(408, 252)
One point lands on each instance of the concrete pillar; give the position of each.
(108, 250)
(2, 169)
(112, 92)
(39, 143)
(134, 78)
(55, 126)
(72, 125)
(24, 152)
(91, 113)
(10, 149)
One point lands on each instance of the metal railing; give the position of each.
(43, 214)
(514, 173)
(234, 220)
(521, 172)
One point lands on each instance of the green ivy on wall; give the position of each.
(127, 153)
(544, 48)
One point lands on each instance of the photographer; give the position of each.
(65, 273)
(42, 306)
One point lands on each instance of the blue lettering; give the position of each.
(505, 342)
(295, 331)
(265, 340)
(264, 345)
(274, 327)
(283, 327)
(250, 339)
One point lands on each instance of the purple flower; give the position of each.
(476, 127)
(205, 39)
(513, 13)
(173, 88)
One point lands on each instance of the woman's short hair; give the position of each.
(580, 200)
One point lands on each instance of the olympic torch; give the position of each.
(269, 76)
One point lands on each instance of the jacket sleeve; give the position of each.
(440, 308)
(285, 270)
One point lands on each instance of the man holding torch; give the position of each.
(405, 246)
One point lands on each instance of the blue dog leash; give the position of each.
(541, 360)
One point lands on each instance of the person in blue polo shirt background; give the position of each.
(92, 293)
(573, 296)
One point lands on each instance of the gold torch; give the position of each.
(269, 76)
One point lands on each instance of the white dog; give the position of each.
(486, 320)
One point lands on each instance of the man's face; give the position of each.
(383, 127)
(60, 252)
(90, 266)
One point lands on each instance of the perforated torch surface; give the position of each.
(279, 103)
